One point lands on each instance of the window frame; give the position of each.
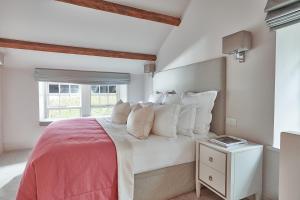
(46, 99)
(107, 96)
(85, 100)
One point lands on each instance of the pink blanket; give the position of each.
(73, 160)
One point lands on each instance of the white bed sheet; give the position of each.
(157, 152)
(136, 156)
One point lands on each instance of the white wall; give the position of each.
(21, 108)
(271, 173)
(289, 174)
(1, 112)
(148, 86)
(250, 85)
(287, 87)
(136, 88)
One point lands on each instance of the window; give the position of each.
(63, 100)
(103, 97)
(67, 100)
(287, 82)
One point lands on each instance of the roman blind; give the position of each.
(80, 77)
(281, 13)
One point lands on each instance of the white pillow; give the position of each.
(165, 120)
(156, 98)
(140, 121)
(120, 112)
(204, 102)
(172, 99)
(186, 120)
(144, 104)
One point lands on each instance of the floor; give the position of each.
(12, 165)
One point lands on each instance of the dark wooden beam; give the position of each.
(125, 10)
(35, 46)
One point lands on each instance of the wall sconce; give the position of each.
(150, 68)
(1, 59)
(237, 44)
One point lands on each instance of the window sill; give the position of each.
(45, 122)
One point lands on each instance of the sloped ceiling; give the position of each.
(49, 21)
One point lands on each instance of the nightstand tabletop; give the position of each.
(232, 149)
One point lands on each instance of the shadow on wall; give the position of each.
(199, 37)
(188, 54)
(9, 191)
(12, 165)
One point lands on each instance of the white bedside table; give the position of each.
(232, 173)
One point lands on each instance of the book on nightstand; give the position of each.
(227, 141)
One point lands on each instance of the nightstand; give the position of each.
(232, 173)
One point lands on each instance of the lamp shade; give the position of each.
(237, 42)
(149, 68)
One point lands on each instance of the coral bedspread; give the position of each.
(73, 160)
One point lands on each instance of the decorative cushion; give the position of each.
(120, 112)
(140, 121)
(165, 120)
(186, 120)
(172, 99)
(156, 98)
(204, 102)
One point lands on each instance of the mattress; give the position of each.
(157, 152)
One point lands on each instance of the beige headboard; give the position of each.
(198, 77)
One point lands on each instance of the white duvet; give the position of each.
(137, 156)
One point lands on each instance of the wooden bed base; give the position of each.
(165, 183)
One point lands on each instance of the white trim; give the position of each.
(271, 148)
(85, 101)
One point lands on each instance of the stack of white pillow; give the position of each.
(167, 115)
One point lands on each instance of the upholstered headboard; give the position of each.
(198, 77)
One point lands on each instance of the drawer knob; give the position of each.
(210, 178)
(211, 159)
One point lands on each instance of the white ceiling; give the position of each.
(55, 22)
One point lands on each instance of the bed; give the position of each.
(162, 167)
(172, 181)
(142, 172)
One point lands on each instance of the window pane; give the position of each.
(69, 113)
(94, 100)
(74, 101)
(64, 89)
(96, 112)
(112, 89)
(53, 101)
(74, 88)
(103, 89)
(69, 101)
(53, 88)
(112, 99)
(103, 100)
(63, 113)
(95, 88)
(64, 101)
(52, 114)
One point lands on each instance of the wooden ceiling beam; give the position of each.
(125, 10)
(35, 46)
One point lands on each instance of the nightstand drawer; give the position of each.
(213, 158)
(213, 178)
